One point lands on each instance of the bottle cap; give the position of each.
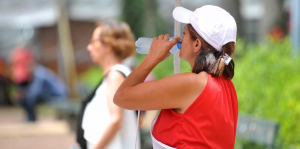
(179, 44)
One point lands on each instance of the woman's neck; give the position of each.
(192, 63)
(108, 63)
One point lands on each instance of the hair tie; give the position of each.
(226, 58)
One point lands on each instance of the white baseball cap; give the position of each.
(214, 24)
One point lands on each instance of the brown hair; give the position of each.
(210, 60)
(118, 35)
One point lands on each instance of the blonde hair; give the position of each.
(119, 36)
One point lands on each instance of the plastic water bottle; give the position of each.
(143, 45)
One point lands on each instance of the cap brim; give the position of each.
(182, 15)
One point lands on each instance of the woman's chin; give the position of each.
(181, 57)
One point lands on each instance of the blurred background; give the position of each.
(57, 32)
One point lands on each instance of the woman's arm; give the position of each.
(114, 80)
(174, 92)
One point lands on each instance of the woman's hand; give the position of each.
(160, 47)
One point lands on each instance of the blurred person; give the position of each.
(35, 82)
(101, 123)
(277, 32)
(2, 67)
(199, 109)
(4, 85)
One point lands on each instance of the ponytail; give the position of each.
(228, 70)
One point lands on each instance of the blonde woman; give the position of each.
(105, 125)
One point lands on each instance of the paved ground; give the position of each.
(46, 133)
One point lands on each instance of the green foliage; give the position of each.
(143, 18)
(92, 76)
(166, 68)
(134, 14)
(267, 84)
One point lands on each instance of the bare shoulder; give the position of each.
(114, 76)
(193, 79)
(202, 78)
(193, 86)
(189, 82)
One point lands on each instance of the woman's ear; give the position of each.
(197, 45)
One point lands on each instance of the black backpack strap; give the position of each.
(80, 132)
(121, 73)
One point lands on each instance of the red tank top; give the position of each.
(209, 123)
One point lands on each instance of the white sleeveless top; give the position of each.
(96, 119)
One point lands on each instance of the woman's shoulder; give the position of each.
(190, 81)
(200, 78)
(191, 86)
(122, 68)
(118, 73)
